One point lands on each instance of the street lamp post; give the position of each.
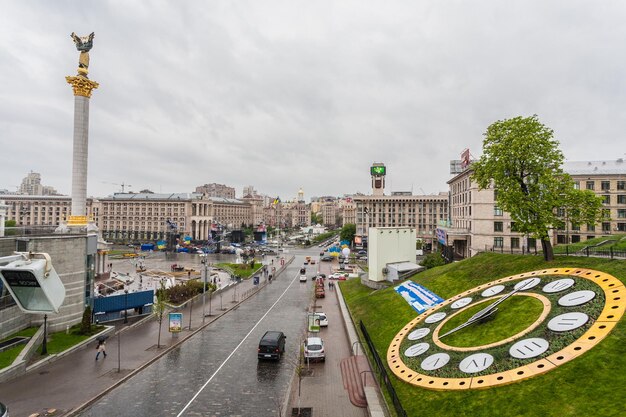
(44, 345)
(206, 272)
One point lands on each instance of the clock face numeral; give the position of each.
(434, 318)
(435, 361)
(529, 348)
(416, 350)
(558, 285)
(567, 321)
(576, 298)
(527, 284)
(461, 303)
(418, 334)
(496, 289)
(476, 363)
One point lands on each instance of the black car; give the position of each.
(272, 345)
(326, 258)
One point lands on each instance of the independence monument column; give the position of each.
(82, 87)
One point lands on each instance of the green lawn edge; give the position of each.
(590, 385)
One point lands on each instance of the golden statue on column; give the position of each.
(81, 84)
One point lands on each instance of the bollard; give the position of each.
(67, 329)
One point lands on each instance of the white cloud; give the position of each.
(290, 94)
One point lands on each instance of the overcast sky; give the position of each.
(289, 94)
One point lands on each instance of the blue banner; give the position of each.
(418, 297)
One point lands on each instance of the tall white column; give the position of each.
(82, 93)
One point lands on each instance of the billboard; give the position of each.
(418, 297)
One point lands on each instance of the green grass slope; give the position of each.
(592, 385)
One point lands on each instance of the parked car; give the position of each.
(362, 252)
(326, 258)
(272, 345)
(323, 319)
(314, 349)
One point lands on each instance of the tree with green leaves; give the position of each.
(523, 163)
(347, 232)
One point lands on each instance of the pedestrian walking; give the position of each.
(101, 348)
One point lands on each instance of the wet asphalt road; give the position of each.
(216, 373)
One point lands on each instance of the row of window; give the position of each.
(605, 185)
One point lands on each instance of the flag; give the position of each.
(277, 200)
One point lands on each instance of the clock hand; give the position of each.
(485, 312)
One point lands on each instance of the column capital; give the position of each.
(82, 86)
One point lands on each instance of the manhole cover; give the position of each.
(302, 412)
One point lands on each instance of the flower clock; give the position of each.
(508, 330)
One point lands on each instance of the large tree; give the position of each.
(347, 232)
(523, 163)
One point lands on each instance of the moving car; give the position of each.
(326, 258)
(302, 274)
(272, 345)
(314, 349)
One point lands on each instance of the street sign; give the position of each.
(34, 285)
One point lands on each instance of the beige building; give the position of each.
(421, 212)
(478, 224)
(41, 210)
(31, 185)
(216, 190)
(144, 216)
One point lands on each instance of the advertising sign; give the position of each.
(420, 298)
(441, 236)
(176, 322)
(314, 322)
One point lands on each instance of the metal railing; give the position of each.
(382, 372)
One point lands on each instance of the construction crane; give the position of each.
(123, 185)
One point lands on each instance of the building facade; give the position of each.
(41, 210)
(216, 190)
(421, 212)
(477, 224)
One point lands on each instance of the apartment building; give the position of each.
(477, 224)
(216, 190)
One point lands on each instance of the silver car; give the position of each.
(314, 349)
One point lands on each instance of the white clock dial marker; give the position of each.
(476, 363)
(416, 350)
(435, 318)
(558, 285)
(418, 334)
(576, 298)
(496, 289)
(529, 348)
(567, 321)
(461, 303)
(436, 361)
(527, 284)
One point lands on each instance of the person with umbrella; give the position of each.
(101, 346)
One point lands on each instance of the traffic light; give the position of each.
(34, 284)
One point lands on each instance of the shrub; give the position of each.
(433, 259)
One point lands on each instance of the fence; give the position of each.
(382, 373)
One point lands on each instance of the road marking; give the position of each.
(234, 350)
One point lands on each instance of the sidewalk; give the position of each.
(66, 383)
